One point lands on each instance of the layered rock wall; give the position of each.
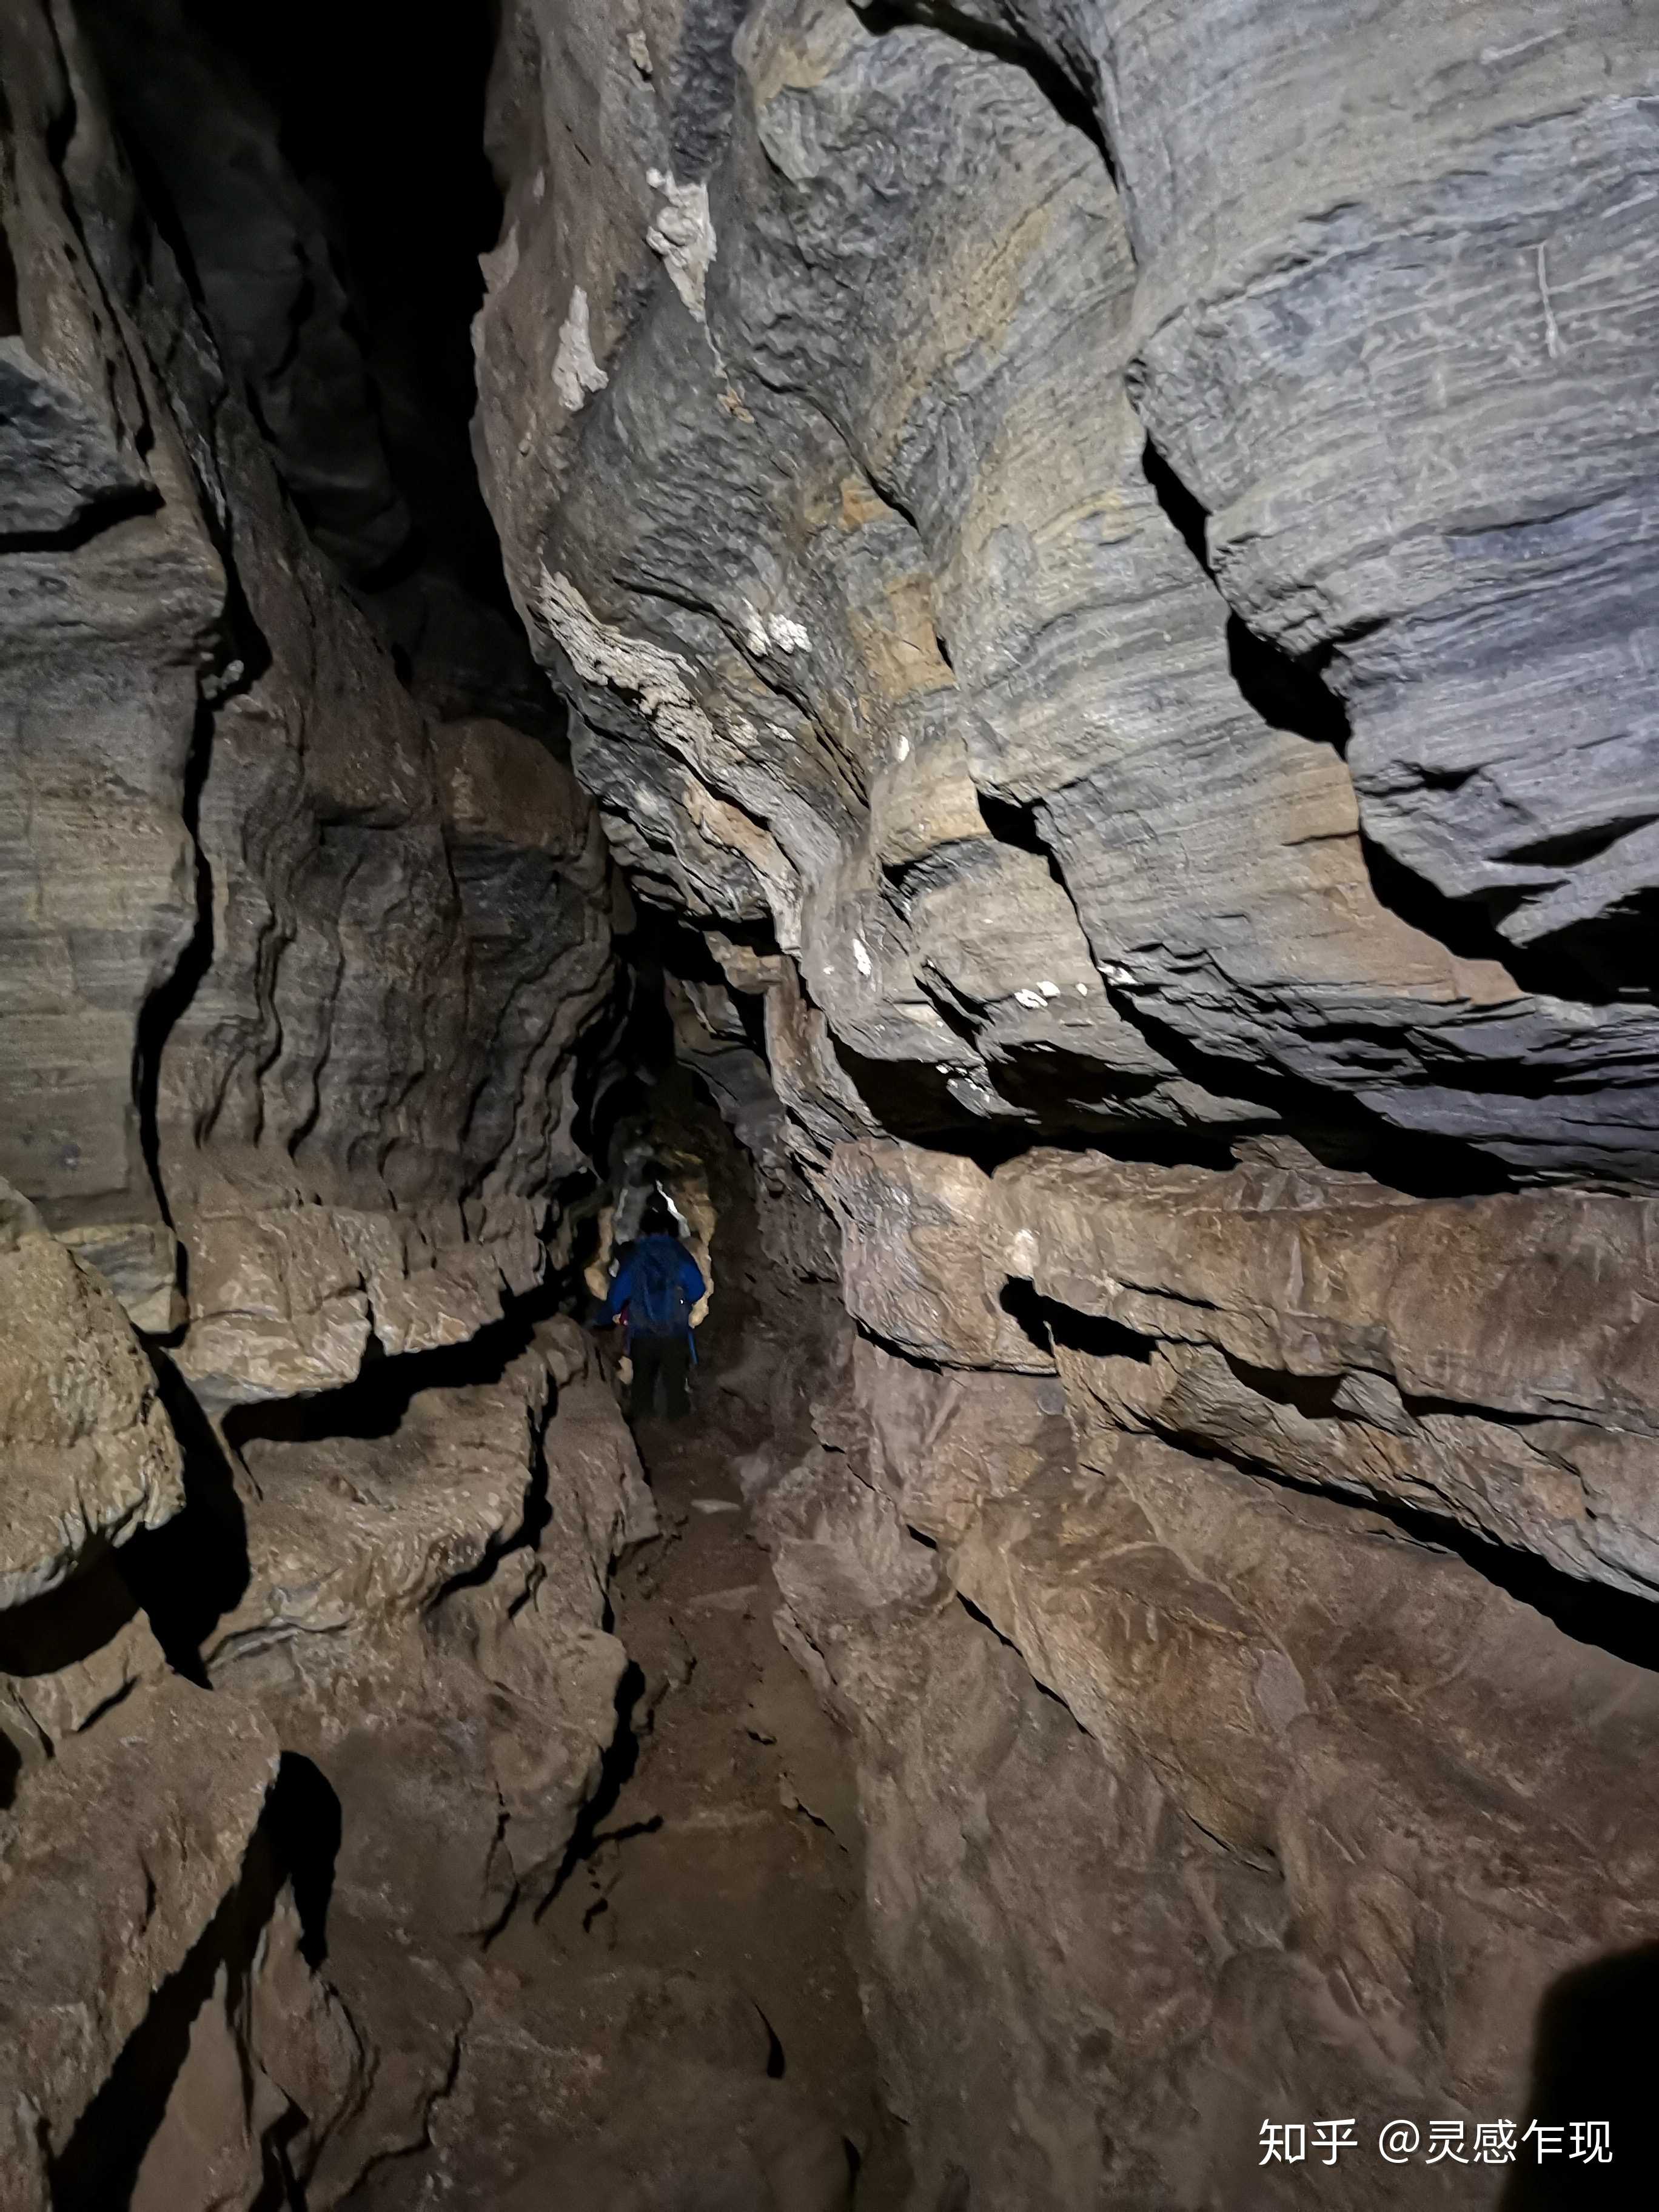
(309, 959)
(302, 969)
(1094, 552)
(1097, 557)
(899, 546)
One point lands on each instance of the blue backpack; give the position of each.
(657, 1301)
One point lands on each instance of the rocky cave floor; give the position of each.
(696, 1954)
(716, 1872)
(729, 1852)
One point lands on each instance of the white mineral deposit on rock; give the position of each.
(683, 236)
(575, 372)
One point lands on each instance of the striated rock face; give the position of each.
(308, 945)
(1096, 553)
(972, 572)
(423, 1626)
(1491, 1362)
(1199, 1793)
(114, 585)
(314, 1004)
(367, 1103)
(1089, 566)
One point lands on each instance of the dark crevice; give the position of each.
(1500, 1416)
(194, 1568)
(962, 1016)
(168, 1001)
(69, 1623)
(894, 1350)
(374, 1402)
(11, 324)
(365, 2193)
(537, 1512)
(373, 180)
(1592, 2056)
(1076, 1101)
(11, 1768)
(305, 1824)
(1314, 1396)
(281, 2188)
(1190, 518)
(912, 1100)
(295, 1843)
(1339, 1131)
(985, 1621)
(1288, 694)
(1571, 848)
(1013, 823)
(909, 1099)
(116, 1697)
(1317, 1396)
(99, 2166)
(622, 1757)
(1604, 961)
(1262, 1856)
(649, 1826)
(1069, 101)
(104, 514)
(1048, 1323)
(1465, 926)
(487, 1935)
(244, 654)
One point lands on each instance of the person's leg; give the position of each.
(646, 1353)
(675, 1353)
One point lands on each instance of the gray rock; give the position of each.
(915, 416)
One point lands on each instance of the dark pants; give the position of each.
(669, 1357)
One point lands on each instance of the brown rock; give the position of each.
(1491, 1360)
(120, 1853)
(89, 1455)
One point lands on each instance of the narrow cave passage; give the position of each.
(1011, 662)
(696, 1946)
(724, 1854)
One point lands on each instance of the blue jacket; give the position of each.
(659, 1282)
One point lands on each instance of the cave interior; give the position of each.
(1006, 651)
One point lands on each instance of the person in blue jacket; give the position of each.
(656, 1288)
